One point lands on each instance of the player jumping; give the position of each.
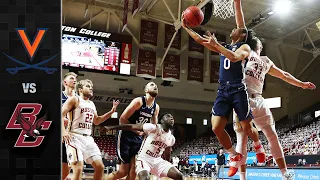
(256, 69)
(232, 92)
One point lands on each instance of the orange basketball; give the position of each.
(193, 16)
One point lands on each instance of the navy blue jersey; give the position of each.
(64, 97)
(229, 71)
(144, 114)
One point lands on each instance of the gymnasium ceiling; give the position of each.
(290, 29)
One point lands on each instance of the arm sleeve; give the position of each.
(148, 128)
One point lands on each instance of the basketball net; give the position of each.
(223, 8)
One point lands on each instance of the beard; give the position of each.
(153, 94)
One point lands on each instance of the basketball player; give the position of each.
(232, 93)
(80, 145)
(69, 83)
(158, 138)
(141, 110)
(256, 69)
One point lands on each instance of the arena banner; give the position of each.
(146, 64)
(222, 39)
(171, 68)
(194, 46)
(149, 32)
(125, 14)
(169, 31)
(275, 174)
(214, 71)
(109, 99)
(135, 6)
(212, 158)
(95, 34)
(30, 110)
(195, 70)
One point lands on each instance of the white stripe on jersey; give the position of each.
(83, 117)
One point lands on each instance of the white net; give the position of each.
(223, 8)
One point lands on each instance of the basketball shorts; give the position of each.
(261, 113)
(64, 153)
(128, 145)
(232, 96)
(82, 148)
(156, 166)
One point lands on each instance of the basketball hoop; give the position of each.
(223, 8)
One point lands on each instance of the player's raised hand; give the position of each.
(115, 105)
(210, 39)
(308, 85)
(183, 23)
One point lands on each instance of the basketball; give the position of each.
(193, 16)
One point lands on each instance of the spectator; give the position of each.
(221, 162)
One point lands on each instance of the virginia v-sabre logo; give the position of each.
(29, 123)
(31, 49)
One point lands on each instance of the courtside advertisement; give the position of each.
(30, 102)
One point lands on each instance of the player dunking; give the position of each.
(256, 69)
(232, 92)
(141, 110)
(79, 143)
(158, 139)
(69, 83)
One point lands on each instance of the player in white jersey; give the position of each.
(79, 143)
(256, 69)
(158, 139)
(69, 83)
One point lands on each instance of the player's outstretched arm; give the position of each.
(100, 119)
(68, 106)
(239, 14)
(128, 112)
(199, 39)
(154, 119)
(126, 127)
(239, 55)
(285, 76)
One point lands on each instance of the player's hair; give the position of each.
(162, 115)
(249, 35)
(145, 85)
(253, 43)
(69, 74)
(81, 83)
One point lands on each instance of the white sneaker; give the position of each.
(288, 176)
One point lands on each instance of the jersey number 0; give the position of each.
(226, 63)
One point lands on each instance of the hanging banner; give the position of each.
(146, 65)
(169, 31)
(149, 32)
(171, 68)
(125, 14)
(194, 46)
(195, 69)
(135, 6)
(214, 71)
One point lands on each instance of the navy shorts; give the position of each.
(128, 145)
(232, 96)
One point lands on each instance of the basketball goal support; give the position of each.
(177, 24)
